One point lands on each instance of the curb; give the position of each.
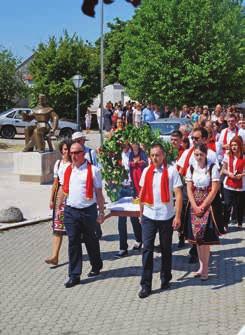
(8, 226)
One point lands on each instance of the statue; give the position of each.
(35, 136)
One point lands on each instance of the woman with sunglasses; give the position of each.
(203, 221)
(58, 224)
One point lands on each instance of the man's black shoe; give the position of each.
(94, 273)
(121, 253)
(181, 243)
(193, 259)
(72, 282)
(144, 293)
(157, 248)
(165, 285)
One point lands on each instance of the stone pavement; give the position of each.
(33, 299)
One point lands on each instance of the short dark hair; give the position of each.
(177, 133)
(203, 131)
(158, 145)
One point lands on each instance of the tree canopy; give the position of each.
(185, 51)
(11, 84)
(53, 66)
(114, 42)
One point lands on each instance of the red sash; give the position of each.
(211, 144)
(89, 181)
(146, 196)
(226, 134)
(183, 170)
(235, 183)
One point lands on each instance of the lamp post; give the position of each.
(101, 69)
(78, 81)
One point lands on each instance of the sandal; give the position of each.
(196, 274)
(53, 261)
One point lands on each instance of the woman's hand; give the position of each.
(51, 204)
(198, 210)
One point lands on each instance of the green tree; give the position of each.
(12, 87)
(54, 65)
(186, 51)
(114, 44)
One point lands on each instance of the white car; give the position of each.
(11, 124)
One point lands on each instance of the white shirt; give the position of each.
(59, 170)
(241, 132)
(77, 186)
(125, 164)
(226, 160)
(160, 210)
(211, 157)
(220, 143)
(93, 155)
(201, 176)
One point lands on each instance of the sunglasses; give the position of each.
(76, 152)
(195, 138)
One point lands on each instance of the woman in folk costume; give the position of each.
(234, 182)
(203, 219)
(58, 224)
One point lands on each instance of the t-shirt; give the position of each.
(160, 210)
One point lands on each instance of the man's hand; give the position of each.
(101, 218)
(176, 223)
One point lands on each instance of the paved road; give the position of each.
(34, 301)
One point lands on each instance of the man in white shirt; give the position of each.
(83, 189)
(158, 214)
(226, 135)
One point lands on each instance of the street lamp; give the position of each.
(78, 81)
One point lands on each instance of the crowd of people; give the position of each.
(198, 195)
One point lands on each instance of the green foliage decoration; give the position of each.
(110, 154)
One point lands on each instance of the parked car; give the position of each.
(11, 124)
(167, 126)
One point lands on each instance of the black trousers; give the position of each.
(149, 231)
(235, 200)
(82, 222)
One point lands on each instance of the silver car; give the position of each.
(11, 124)
(167, 126)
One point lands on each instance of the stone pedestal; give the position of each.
(35, 167)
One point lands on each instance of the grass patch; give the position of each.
(11, 147)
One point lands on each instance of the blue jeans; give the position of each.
(149, 230)
(122, 223)
(77, 222)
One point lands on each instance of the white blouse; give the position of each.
(59, 170)
(201, 176)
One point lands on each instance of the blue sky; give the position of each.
(25, 23)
